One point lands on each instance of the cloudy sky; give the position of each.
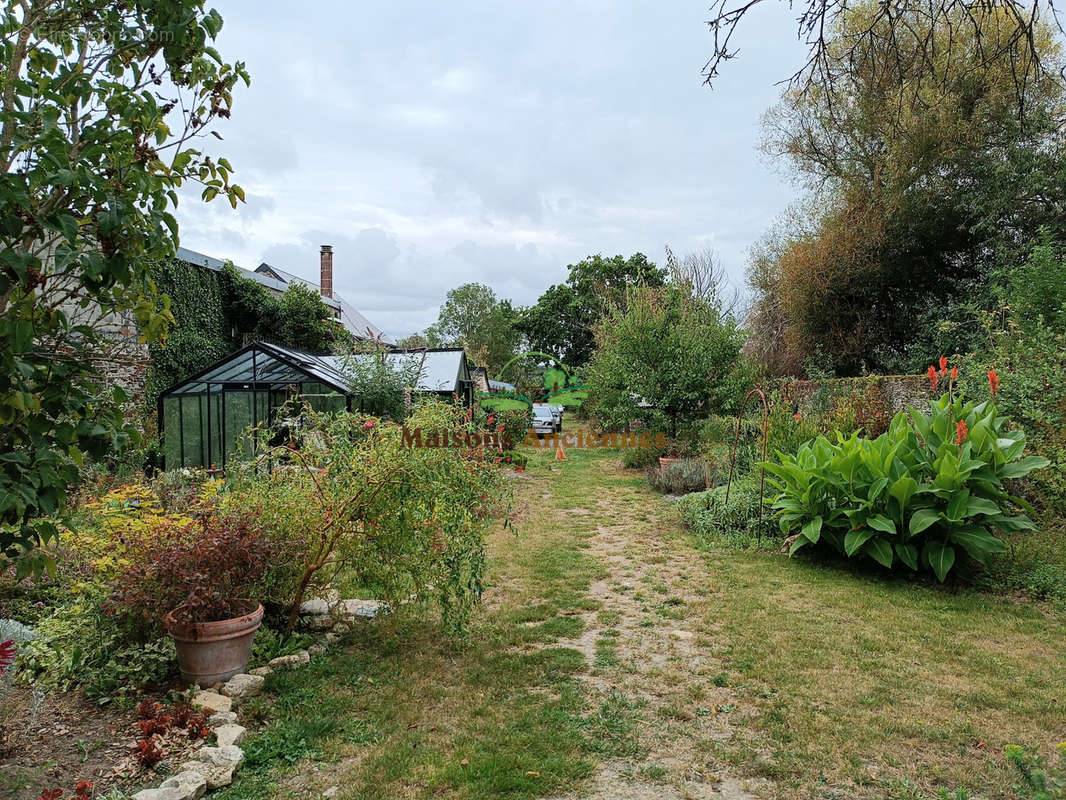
(434, 144)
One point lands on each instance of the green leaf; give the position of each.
(903, 489)
(978, 542)
(879, 550)
(1019, 469)
(922, 519)
(854, 540)
(812, 530)
(980, 505)
(941, 558)
(881, 523)
(908, 554)
(800, 541)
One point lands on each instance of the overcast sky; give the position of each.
(434, 144)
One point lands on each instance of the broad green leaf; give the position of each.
(1019, 469)
(978, 542)
(980, 505)
(903, 489)
(922, 519)
(941, 558)
(813, 529)
(879, 550)
(882, 523)
(908, 554)
(854, 540)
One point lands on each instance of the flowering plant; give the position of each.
(931, 486)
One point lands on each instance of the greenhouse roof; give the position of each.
(262, 364)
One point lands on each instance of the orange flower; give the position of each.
(954, 373)
(933, 380)
(943, 364)
(961, 432)
(993, 381)
(797, 417)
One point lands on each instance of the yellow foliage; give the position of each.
(127, 513)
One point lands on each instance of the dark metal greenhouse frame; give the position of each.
(281, 369)
(263, 368)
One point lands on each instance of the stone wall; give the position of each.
(874, 400)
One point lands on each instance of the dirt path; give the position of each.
(644, 651)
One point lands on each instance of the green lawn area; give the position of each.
(614, 654)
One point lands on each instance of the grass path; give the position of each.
(616, 658)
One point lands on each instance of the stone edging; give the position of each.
(210, 768)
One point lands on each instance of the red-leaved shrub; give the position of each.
(204, 572)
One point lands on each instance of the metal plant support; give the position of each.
(733, 455)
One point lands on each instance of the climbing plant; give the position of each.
(215, 311)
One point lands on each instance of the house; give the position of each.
(202, 417)
(278, 280)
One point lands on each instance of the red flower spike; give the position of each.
(933, 380)
(943, 364)
(8, 650)
(954, 373)
(993, 381)
(961, 432)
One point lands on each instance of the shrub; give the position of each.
(98, 536)
(908, 496)
(641, 457)
(397, 520)
(680, 477)
(512, 424)
(710, 517)
(80, 645)
(203, 573)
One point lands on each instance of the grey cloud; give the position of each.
(436, 144)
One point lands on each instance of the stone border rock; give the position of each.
(209, 767)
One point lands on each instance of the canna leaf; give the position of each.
(941, 558)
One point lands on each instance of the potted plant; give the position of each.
(673, 452)
(198, 580)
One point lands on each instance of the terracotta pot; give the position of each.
(210, 652)
(665, 462)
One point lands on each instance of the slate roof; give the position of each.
(278, 280)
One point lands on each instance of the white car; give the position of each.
(543, 419)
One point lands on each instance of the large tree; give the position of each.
(915, 197)
(665, 357)
(562, 322)
(473, 317)
(99, 105)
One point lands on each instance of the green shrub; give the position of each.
(640, 457)
(680, 477)
(709, 517)
(512, 424)
(80, 645)
(357, 505)
(915, 497)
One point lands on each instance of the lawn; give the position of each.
(615, 656)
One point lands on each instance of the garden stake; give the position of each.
(733, 455)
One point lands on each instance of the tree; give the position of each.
(473, 318)
(924, 34)
(99, 102)
(666, 358)
(915, 198)
(562, 322)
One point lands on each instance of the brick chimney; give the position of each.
(325, 264)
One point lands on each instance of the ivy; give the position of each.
(216, 311)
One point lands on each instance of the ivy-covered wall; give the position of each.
(214, 312)
(202, 332)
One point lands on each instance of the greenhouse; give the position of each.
(202, 418)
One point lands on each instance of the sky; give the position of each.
(435, 144)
